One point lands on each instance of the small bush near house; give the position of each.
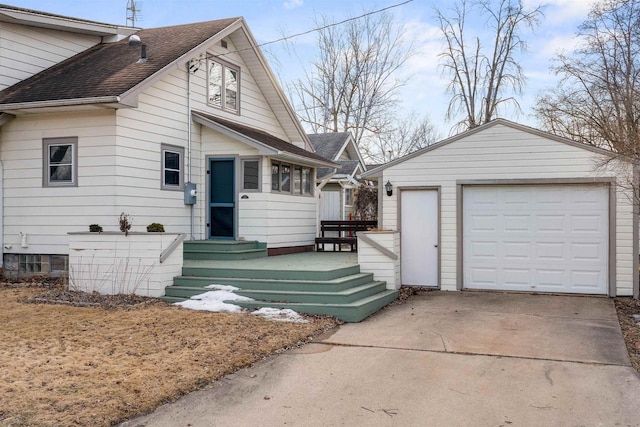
(95, 228)
(125, 223)
(365, 204)
(155, 227)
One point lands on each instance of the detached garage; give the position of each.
(508, 207)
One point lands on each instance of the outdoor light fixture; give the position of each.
(389, 188)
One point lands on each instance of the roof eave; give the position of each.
(61, 103)
(263, 148)
(4, 118)
(302, 160)
(64, 23)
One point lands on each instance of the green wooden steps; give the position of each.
(333, 285)
(223, 250)
(305, 283)
(352, 312)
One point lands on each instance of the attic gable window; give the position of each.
(224, 86)
(60, 166)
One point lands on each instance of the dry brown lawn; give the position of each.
(68, 366)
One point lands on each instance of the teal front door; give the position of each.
(222, 199)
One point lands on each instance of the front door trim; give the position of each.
(236, 176)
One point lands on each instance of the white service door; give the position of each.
(544, 238)
(419, 237)
(330, 205)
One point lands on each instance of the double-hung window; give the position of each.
(172, 167)
(60, 165)
(224, 86)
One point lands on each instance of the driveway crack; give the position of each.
(441, 339)
(467, 353)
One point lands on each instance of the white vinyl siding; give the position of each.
(278, 219)
(25, 51)
(503, 153)
(46, 214)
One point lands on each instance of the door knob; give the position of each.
(435, 246)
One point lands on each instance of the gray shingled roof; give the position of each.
(111, 69)
(347, 167)
(264, 137)
(328, 145)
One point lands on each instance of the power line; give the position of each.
(393, 6)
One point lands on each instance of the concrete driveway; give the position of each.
(442, 359)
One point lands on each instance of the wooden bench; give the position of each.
(346, 233)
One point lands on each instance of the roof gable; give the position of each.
(112, 69)
(110, 74)
(329, 145)
(503, 122)
(332, 145)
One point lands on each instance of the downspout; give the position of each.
(192, 206)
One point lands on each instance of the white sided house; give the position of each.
(507, 207)
(184, 126)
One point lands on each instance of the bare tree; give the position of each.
(353, 83)
(484, 74)
(598, 100)
(404, 137)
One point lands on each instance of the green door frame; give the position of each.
(221, 198)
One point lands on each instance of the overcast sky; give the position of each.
(270, 19)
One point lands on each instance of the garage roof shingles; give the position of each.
(111, 69)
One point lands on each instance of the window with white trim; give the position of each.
(60, 165)
(224, 86)
(172, 167)
(292, 179)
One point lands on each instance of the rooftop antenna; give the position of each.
(134, 12)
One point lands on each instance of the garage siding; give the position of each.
(502, 152)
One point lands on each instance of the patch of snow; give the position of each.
(214, 301)
(280, 315)
(217, 287)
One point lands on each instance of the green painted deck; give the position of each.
(328, 283)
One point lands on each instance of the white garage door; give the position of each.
(544, 238)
